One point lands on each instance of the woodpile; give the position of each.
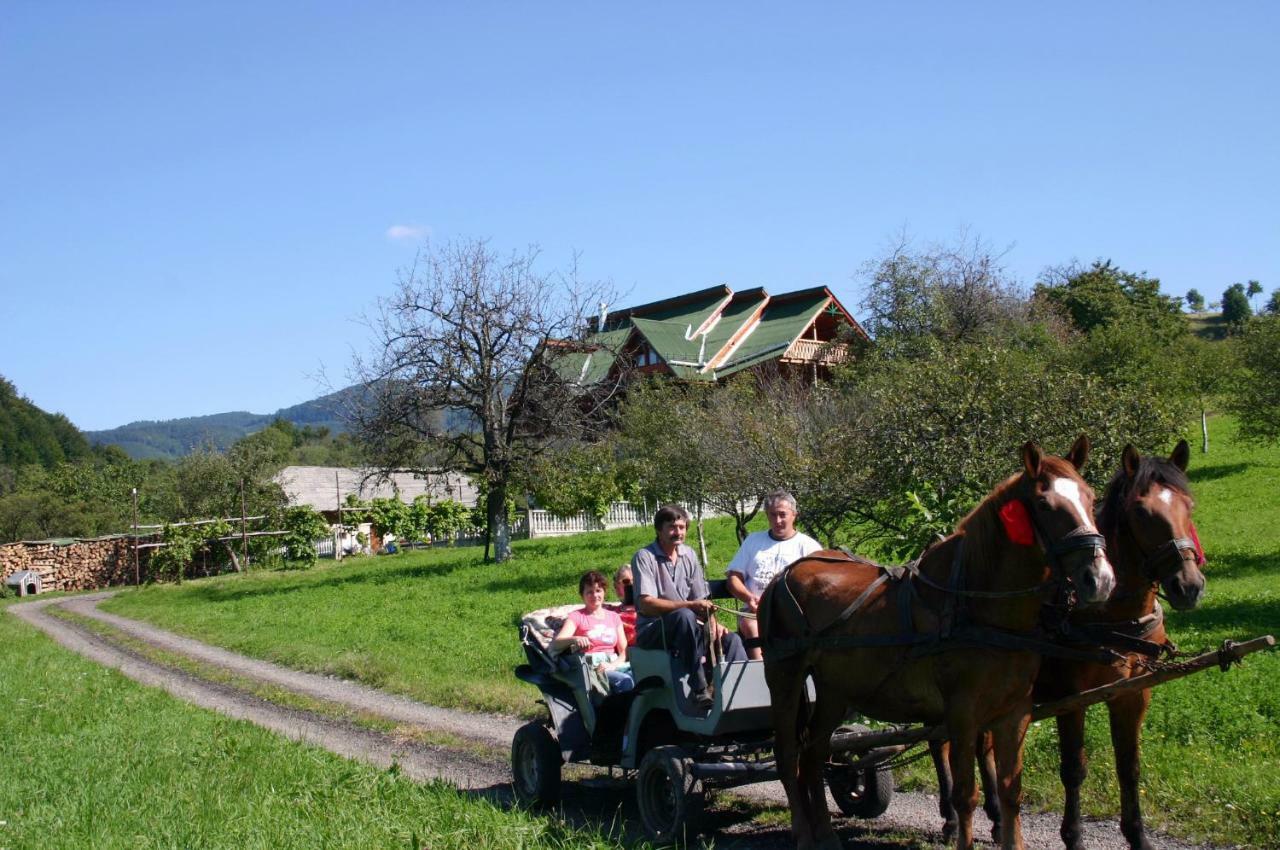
(74, 564)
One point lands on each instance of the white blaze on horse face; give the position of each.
(1165, 495)
(1070, 490)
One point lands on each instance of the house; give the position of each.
(325, 488)
(716, 332)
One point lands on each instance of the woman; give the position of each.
(597, 633)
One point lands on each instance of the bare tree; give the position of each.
(476, 369)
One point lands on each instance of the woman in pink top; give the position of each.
(597, 632)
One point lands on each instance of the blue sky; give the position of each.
(197, 201)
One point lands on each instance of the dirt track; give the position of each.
(913, 815)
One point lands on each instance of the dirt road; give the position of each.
(478, 763)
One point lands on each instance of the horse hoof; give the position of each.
(948, 831)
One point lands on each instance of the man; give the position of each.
(671, 597)
(763, 555)
(625, 606)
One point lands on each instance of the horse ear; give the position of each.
(1031, 457)
(1130, 459)
(1181, 455)
(1079, 452)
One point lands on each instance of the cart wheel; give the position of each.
(669, 796)
(535, 765)
(861, 793)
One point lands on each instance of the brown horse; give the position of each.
(1146, 517)
(940, 645)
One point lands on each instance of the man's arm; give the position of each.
(737, 584)
(656, 606)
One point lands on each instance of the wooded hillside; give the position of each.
(29, 435)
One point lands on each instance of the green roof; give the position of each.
(782, 323)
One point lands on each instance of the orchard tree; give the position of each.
(1104, 294)
(1195, 301)
(1206, 371)
(472, 370)
(1252, 289)
(1273, 304)
(1235, 307)
(1255, 397)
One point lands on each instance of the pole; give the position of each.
(137, 572)
(244, 538)
(337, 495)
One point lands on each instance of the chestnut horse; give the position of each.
(1146, 517)
(948, 641)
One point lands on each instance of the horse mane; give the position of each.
(1151, 470)
(983, 530)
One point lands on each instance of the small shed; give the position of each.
(25, 582)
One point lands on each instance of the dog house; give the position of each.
(25, 582)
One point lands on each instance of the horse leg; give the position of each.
(964, 790)
(1006, 738)
(827, 715)
(990, 789)
(1126, 715)
(1073, 768)
(786, 688)
(939, 752)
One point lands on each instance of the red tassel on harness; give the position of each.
(1017, 523)
(1195, 538)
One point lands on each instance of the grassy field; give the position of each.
(91, 759)
(439, 626)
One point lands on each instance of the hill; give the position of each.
(30, 435)
(173, 438)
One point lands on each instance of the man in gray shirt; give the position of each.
(671, 596)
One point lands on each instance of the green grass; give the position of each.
(439, 626)
(91, 759)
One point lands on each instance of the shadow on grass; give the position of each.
(1242, 620)
(1213, 473)
(1232, 565)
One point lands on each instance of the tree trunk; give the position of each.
(499, 528)
(1204, 432)
(235, 562)
(702, 538)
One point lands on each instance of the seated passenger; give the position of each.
(625, 609)
(763, 555)
(671, 599)
(598, 634)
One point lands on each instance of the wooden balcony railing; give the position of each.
(815, 351)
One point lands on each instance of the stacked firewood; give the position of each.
(76, 565)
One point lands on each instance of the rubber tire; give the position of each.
(535, 765)
(865, 793)
(668, 795)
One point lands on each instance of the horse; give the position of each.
(948, 641)
(1152, 542)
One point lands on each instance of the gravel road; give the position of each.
(911, 820)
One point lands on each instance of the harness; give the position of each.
(955, 627)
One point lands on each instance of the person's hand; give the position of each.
(752, 603)
(705, 607)
(717, 630)
(580, 643)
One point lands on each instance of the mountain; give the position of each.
(174, 438)
(30, 435)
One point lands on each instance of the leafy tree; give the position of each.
(1273, 304)
(1255, 396)
(183, 542)
(304, 526)
(1195, 300)
(482, 337)
(919, 299)
(1103, 295)
(1235, 307)
(577, 478)
(1253, 288)
(443, 520)
(29, 435)
(1205, 370)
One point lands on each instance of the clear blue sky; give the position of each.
(197, 200)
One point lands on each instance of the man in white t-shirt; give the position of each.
(763, 555)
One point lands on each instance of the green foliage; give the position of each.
(1255, 396)
(584, 478)
(1195, 300)
(392, 516)
(183, 543)
(1273, 304)
(1104, 295)
(1235, 307)
(28, 435)
(304, 526)
(440, 520)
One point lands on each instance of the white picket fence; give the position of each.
(620, 515)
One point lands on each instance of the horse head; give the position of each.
(1149, 501)
(1060, 506)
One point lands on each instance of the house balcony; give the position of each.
(816, 351)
